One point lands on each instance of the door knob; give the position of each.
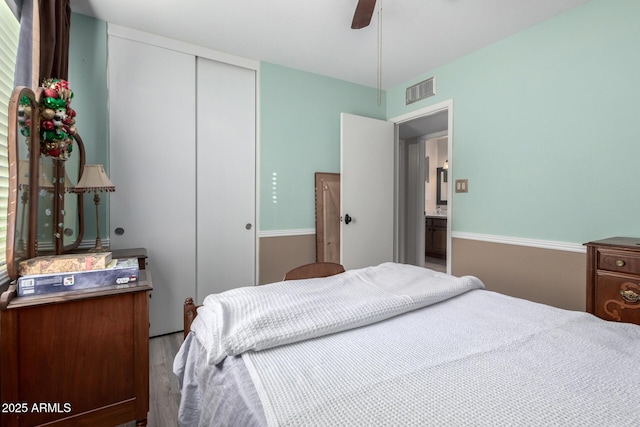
(248, 226)
(347, 219)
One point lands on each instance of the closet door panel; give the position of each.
(226, 165)
(152, 149)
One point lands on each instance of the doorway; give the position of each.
(424, 219)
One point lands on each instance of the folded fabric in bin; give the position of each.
(64, 263)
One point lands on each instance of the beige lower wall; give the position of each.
(548, 276)
(280, 254)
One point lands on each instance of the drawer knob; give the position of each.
(630, 296)
(620, 263)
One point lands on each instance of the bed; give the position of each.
(393, 345)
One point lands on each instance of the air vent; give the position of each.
(421, 90)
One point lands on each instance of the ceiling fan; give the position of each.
(363, 14)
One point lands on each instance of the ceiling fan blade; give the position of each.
(363, 14)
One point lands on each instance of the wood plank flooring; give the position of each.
(164, 395)
(436, 264)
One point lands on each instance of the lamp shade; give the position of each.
(94, 179)
(46, 182)
(23, 174)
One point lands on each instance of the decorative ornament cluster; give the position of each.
(24, 116)
(57, 119)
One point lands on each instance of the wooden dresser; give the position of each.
(79, 358)
(613, 279)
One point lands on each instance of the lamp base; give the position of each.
(98, 246)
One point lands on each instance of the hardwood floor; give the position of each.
(436, 264)
(164, 394)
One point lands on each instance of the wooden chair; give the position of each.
(316, 269)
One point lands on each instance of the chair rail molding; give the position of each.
(519, 241)
(285, 233)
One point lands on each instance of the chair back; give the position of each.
(316, 269)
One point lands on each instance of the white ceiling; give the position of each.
(315, 35)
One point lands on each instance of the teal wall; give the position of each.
(88, 80)
(546, 127)
(299, 136)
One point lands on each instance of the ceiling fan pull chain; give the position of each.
(379, 52)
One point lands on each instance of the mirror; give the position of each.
(442, 187)
(46, 198)
(23, 154)
(60, 222)
(73, 230)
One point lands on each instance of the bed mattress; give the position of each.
(477, 358)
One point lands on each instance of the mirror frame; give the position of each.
(13, 256)
(441, 176)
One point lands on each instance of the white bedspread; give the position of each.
(467, 357)
(258, 318)
(480, 359)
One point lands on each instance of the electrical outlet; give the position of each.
(462, 185)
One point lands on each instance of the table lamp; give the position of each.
(95, 179)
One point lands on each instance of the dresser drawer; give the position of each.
(618, 261)
(611, 304)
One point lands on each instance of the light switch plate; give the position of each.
(462, 185)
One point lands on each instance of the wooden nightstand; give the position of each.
(77, 358)
(613, 279)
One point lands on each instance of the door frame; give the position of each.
(446, 105)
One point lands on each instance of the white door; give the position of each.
(226, 164)
(367, 191)
(152, 165)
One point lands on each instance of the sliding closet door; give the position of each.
(152, 148)
(226, 177)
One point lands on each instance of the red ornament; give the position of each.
(54, 152)
(48, 125)
(51, 93)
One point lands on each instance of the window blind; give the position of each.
(9, 31)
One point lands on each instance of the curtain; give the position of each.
(55, 25)
(16, 7)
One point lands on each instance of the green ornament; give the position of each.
(49, 134)
(51, 103)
